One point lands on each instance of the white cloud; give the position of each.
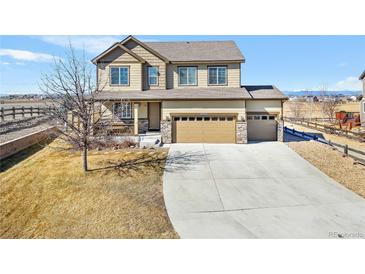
(350, 83)
(25, 55)
(4, 63)
(92, 44)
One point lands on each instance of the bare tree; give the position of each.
(310, 101)
(71, 90)
(329, 104)
(296, 108)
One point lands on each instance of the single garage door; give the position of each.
(204, 129)
(261, 127)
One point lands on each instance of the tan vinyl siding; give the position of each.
(233, 75)
(118, 55)
(151, 60)
(135, 76)
(203, 107)
(269, 106)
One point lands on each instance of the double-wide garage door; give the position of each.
(261, 127)
(204, 129)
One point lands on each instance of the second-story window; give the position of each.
(188, 76)
(217, 76)
(119, 76)
(153, 76)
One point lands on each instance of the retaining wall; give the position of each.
(11, 147)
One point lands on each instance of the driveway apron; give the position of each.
(259, 190)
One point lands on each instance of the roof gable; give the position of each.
(145, 46)
(113, 48)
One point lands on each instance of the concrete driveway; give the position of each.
(261, 190)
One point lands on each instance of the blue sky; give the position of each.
(289, 62)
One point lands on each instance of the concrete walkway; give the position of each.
(262, 190)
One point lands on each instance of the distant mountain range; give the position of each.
(318, 93)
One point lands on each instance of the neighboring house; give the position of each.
(188, 91)
(362, 103)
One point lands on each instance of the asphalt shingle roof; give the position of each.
(198, 51)
(176, 94)
(265, 92)
(223, 93)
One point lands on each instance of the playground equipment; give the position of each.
(348, 120)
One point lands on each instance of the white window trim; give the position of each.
(187, 75)
(122, 116)
(119, 67)
(148, 72)
(226, 76)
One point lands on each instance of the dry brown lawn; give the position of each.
(313, 110)
(48, 196)
(331, 162)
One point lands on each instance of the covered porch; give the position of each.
(129, 118)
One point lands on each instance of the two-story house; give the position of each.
(362, 104)
(189, 91)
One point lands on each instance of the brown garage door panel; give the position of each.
(261, 130)
(205, 131)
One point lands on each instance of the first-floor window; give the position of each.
(188, 76)
(123, 110)
(119, 76)
(363, 107)
(153, 76)
(217, 75)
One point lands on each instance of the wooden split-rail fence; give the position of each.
(22, 112)
(352, 134)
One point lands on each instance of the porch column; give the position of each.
(136, 109)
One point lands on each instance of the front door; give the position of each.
(154, 116)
